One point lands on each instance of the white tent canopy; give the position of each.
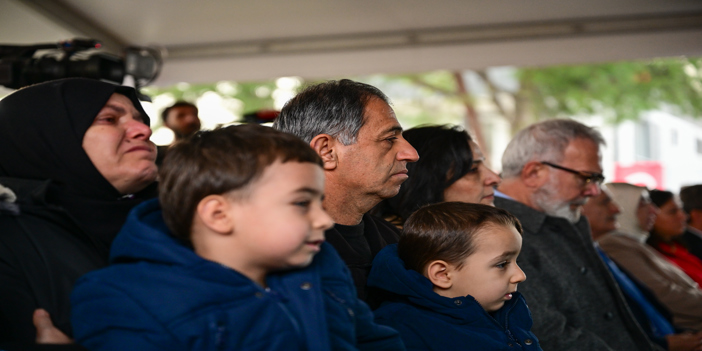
(213, 40)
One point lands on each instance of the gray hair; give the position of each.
(544, 141)
(334, 107)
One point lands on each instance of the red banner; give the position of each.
(643, 173)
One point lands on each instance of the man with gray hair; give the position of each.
(550, 169)
(354, 130)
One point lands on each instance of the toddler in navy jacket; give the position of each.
(233, 258)
(451, 281)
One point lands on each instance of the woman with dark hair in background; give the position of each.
(450, 168)
(76, 157)
(666, 235)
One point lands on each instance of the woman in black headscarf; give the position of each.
(75, 157)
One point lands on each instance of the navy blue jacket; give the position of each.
(157, 294)
(429, 321)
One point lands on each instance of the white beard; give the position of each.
(546, 198)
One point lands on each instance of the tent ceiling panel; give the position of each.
(179, 22)
(455, 57)
(211, 40)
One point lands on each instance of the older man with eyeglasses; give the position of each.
(549, 171)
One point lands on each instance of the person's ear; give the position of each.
(534, 174)
(325, 146)
(440, 273)
(214, 212)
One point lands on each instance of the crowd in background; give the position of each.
(334, 229)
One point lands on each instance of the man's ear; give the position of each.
(214, 212)
(440, 274)
(534, 174)
(325, 146)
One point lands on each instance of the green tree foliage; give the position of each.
(422, 98)
(619, 91)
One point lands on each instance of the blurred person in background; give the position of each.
(451, 168)
(691, 197)
(76, 159)
(667, 234)
(183, 119)
(627, 247)
(602, 213)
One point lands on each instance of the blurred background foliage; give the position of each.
(617, 91)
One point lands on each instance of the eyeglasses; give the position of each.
(588, 177)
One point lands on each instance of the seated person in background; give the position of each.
(75, 155)
(451, 168)
(244, 265)
(454, 277)
(691, 197)
(667, 234)
(627, 247)
(602, 211)
(549, 170)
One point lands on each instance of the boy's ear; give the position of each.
(214, 213)
(534, 174)
(440, 274)
(324, 145)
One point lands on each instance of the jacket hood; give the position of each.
(628, 197)
(145, 237)
(389, 273)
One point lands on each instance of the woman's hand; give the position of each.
(47, 333)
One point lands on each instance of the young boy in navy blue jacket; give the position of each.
(233, 258)
(451, 281)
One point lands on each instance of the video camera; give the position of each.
(19, 67)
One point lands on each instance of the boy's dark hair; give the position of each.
(218, 162)
(164, 114)
(446, 231)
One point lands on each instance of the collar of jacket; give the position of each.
(532, 220)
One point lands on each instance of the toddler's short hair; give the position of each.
(446, 231)
(218, 162)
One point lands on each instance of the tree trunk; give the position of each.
(472, 121)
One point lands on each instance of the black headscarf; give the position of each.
(41, 136)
